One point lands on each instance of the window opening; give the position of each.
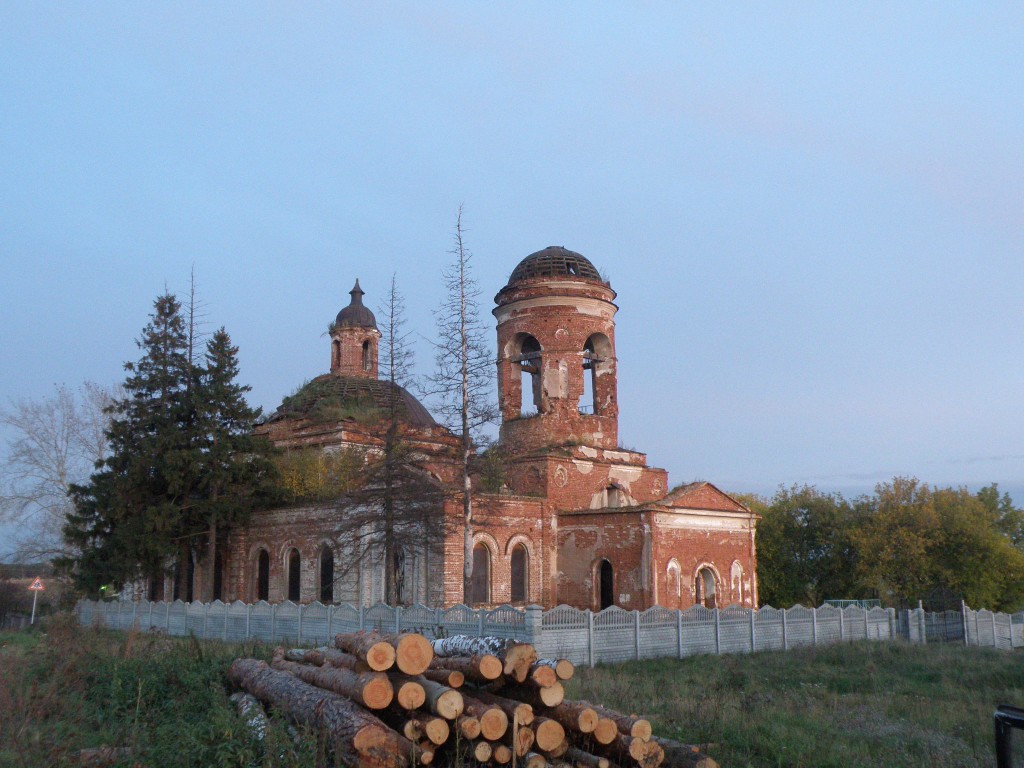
(529, 359)
(520, 573)
(607, 587)
(294, 571)
(480, 584)
(263, 575)
(326, 575)
(366, 356)
(706, 588)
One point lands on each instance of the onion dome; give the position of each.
(355, 315)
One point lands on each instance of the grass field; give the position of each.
(864, 704)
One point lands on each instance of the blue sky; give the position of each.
(813, 214)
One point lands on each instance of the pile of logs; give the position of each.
(390, 701)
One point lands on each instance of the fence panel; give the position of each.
(216, 617)
(734, 629)
(698, 631)
(419, 618)
(801, 626)
(768, 629)
(314, 625)
(238, 621)
(261, 621)
(505, 621)
(614, 635)
(460, 620)
(564, 634)
(659, 630)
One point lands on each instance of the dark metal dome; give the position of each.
(554, 261)
(355, 315)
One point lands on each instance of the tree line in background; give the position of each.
(908, 541)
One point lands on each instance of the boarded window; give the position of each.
(481, 581)
(294, 571)
(326, 575)
(263, 575)
(520, 574)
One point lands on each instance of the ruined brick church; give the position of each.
(579, 520)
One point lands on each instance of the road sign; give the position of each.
(37, 585)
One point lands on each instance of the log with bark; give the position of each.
(541, 676)
(678, 755)
(450, 677)
(521, 739)
(548, 733)
(574, 715)
(418, 726)
(515, 657)
(440, 699)
(628, 725)
(493, 720)
(517, 711)
(372, 690)
(534, 760)
(564, 668)
(480, 669)
(578, 757)
(551, 696)
(477, 749)
(358, 738)
(369, 647)
(644, 753)
(413, 651)
(468, 726)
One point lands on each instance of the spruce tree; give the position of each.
(235, 471)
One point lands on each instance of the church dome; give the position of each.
(555, 261)
(356, 315)
(333, 398)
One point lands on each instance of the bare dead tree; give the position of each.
(55, 442)
(464, 377)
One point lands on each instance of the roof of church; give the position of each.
(554, 261)
(701, 495)
(356, 315)
(332, 398)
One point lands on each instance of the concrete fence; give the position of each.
(582, 636)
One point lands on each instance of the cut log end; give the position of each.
(468, 726)
(605, 731)
(493, 723)
(534, 760)
(490, 666)
(501, 755)
(553, 695)
(549, 733)
(413, 653)
(410, 695)
(482, 751)
(449, 704)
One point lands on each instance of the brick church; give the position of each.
(578, 519)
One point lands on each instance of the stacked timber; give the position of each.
(396, 700)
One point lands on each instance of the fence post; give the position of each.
(785, 640)
(814, 627)
(398, 619)
(273, 623)
(977, 630)
(841, 624)
(994, 643)
(753, 637)
(718, 634)
(330, 624)
(891, 613)
(362, 617)
(480, 632)
(248, 616)
(963, 620)
(590, 636)
(679, 633)
(636, 634)
(866, 624)
(167, 617)
(135, 617)
(206, 613)
(299, 630)
(150, 619)
(922, 626)
(224, 609)
(535, 625)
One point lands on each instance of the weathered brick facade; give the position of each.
(579, 520)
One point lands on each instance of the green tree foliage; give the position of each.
(182, 459)
(906, 542)
(804, 553)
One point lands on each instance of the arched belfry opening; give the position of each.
(529, 360)
(597, 374)
(605, 585)
(706, 593)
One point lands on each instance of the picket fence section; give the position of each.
(583, 636)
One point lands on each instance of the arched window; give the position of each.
(480, 584)
(615, 497)
(294, 574)
(326, 574)
(335, 354)
(520, 573)
(263, 575)
(673, 585)
(605, 585)
(367, 365)
(529, 359)
(156, 587)
(706, 594)
(736, 577)
(597, 353)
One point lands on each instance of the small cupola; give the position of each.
(354, 338)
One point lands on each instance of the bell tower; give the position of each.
(354, 338)
(556, 354)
